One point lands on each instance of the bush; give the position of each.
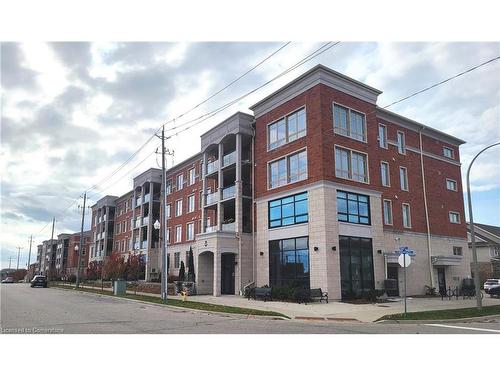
(172, 278)
(373, 295)
(72, 278)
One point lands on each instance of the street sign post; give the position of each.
(404, 260)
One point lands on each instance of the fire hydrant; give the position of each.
(184, 294)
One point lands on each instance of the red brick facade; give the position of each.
(123, 223)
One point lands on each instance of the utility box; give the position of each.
(119, 287)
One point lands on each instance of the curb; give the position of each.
(248, 316)
(326, 319)
(434, 321)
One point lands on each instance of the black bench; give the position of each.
(318, 293)
(264, 293)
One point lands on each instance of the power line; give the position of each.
(442, 82)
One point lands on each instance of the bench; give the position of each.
(264, 293)
(318, 293)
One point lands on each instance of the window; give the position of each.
(178, 207)
(406, 215)
(451, 184)
(457, 250)
(177, 258)
(350, 165)
(168, 235)
(189, 231)
(178, 233)
(200, 199)
(289, 169)
(349, 122)
(168, 209)
(387, 212)
(384, 174)
(169, 186)
(495, 252)
(289, 262)
(192, 176)
(401, 143)
(191, 203)
(382, 136)
(403, 178)
(353, 208)
(288, 211)
(448, 152)
(180, 181)
(287, 129)
(454, 217)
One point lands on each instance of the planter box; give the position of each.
(188, 286)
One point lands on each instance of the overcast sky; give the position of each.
(73, 112)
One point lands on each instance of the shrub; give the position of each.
(172, 278)
(182, 272)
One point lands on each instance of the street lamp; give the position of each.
(157, 226)
(479, 303)
(77, 259)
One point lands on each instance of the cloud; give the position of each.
(13, 74)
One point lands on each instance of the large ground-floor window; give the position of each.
(356, 266)
(289, 262)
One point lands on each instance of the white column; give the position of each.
(217, 273)
(221, 182)
(204, 191)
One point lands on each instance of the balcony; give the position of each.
(229, 227)
(145, 220)
(144, 245)
(146, 198)
(211, 229)
(212, 166)
(137, 223)
(229, 159)
(229, 192)
(137, 245)
(212, 198)
(138, 201)
(104, 218)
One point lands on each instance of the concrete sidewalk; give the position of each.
(335, 311)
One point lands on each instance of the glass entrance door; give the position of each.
(356, 266)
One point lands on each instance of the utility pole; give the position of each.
(18, 253)
(479, 303)
(29, 258)
(51, 241)
(10, 259)
(80, 250)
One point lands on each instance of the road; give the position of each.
(37, 310)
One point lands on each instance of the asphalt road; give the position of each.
(37, 310)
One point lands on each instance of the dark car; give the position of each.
(494, 291)
(39, 280)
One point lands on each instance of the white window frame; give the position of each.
(349, 166)
(191, 176)
(188, 236)
(382, 163)
(168, 235)
(287, 180)
(169, 210)
(169, 186)
(177, 213)
(452, 214)
(180, 184)
(401, 145)
(285, 118)
(178, 233)
(407, 183)
(189, 208)
(382, 142)
(348, 130)
(391, 217)
(461, 250)
(453, 182)
(452, 152)
(408, 216)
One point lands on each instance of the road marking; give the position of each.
(466, 328)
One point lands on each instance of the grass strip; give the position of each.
(179, 303)
(469, 312)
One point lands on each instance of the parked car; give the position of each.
(490, 283)
(8, 280)
(39, 280)
(495, 290)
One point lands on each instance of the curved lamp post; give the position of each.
(479, 303)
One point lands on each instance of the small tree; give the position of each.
(135, 267)
(114, 268)
(94, 270)
(182, 272)
(191, 275)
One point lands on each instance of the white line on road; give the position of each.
(467, 328)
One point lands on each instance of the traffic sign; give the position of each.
(404, 260)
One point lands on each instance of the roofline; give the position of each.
(226, 120)
(431, 131)
(310, 72)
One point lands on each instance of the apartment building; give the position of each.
(74, 248)
(49, 249)
(341, 184)
(61, 261)
(319, 188)
(488, 250)
(102, 227)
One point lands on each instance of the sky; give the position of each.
(72, 112)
